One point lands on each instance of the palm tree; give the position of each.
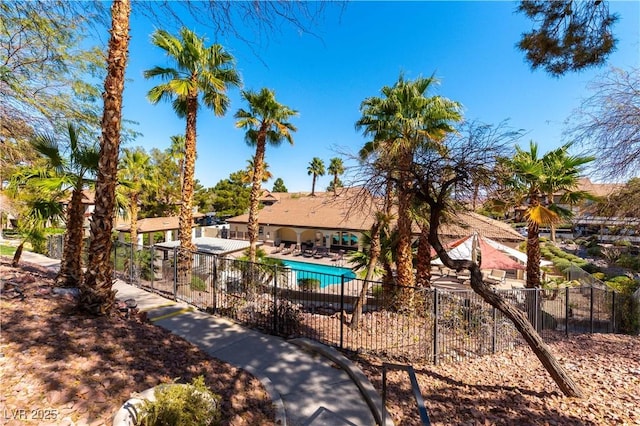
(176, 151)
(336, 168)
(266, 121)
(60, 175)
(251, 166)
(207, 71)
(135, 168)
(400, 122)
(534, 180)
(96, 294)
(315, 169)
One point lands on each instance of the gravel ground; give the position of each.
(80, 370)
(61, 368)
(514, 389)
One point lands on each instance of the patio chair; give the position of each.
(320, 252)
(287, 250)
(337, 256)
(279, 248)
(309, 252)
(495, 276)
(297, 251)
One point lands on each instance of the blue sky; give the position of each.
(469, 46)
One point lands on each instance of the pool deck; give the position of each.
(440, 282)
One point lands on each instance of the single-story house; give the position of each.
(338, 221)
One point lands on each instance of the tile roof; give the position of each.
(465, 223)
(326, 211)
(322, 211)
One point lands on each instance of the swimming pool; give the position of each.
(327, 274)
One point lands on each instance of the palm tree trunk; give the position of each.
(313, 185)
(258, 169)
(70, 273)
(186, 206)
(97, 296)
(133, 224)
(17, 255)
(404, 254)
(374, 254)
(423, 261)
(533, 256)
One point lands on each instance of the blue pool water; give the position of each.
(327, 274)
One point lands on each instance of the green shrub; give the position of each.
(591, 268)
(198, 284)
(594, 251)
(289, 318)
(599, 276)
(623, 284)
(377, 291)
(622, 243)
(629, 261)
(185, 405)
(309, 284)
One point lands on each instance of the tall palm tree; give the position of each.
(202, 74)
(400, 122)
(336, 168)
(534, 179)
(315, 169)
(267, 122)
(135, 168)
(96, 294)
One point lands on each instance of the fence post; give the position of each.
(215, 283)
(591, 310)
(536, 302)
(566, 311)
(495, 330)
(613, 311)
(435, 326)
(175, 273)
(131, 266)
(275, 299)
(152, 265)
(342, 319)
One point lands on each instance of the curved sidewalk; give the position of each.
(307, 389)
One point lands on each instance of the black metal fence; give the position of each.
(397, 322)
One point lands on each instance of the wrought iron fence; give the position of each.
(397, 322)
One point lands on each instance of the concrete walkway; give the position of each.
(310, 384)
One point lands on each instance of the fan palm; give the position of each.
(60, 175)
(336, 168)
(534, 180)
(267, 122)
(400, 122)
(315, 169)
(202, 74)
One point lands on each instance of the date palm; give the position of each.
(267, 122)
(401, 121)
(315, 169)
(336, 168)
(534, 179)
(201, 75)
